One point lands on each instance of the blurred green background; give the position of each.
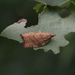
(17, 60)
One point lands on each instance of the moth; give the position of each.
(36, 39)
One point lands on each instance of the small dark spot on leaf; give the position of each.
(64, 12)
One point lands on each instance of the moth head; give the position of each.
(52, 35)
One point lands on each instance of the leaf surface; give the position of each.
(13, 31)
(53, 2)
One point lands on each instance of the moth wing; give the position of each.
(29, 40)
(39, 38)
(36, 39)
(35, 42)
(30, 43)
(46, 36)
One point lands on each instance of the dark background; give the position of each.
(17, 60)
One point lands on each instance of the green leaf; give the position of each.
(49, 21)
(13, 31)
(54, 2)
(38, 7)
(73, 1)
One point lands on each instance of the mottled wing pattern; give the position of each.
(36, 39)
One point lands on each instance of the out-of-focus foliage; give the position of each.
(16, 60)
(54, 2)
